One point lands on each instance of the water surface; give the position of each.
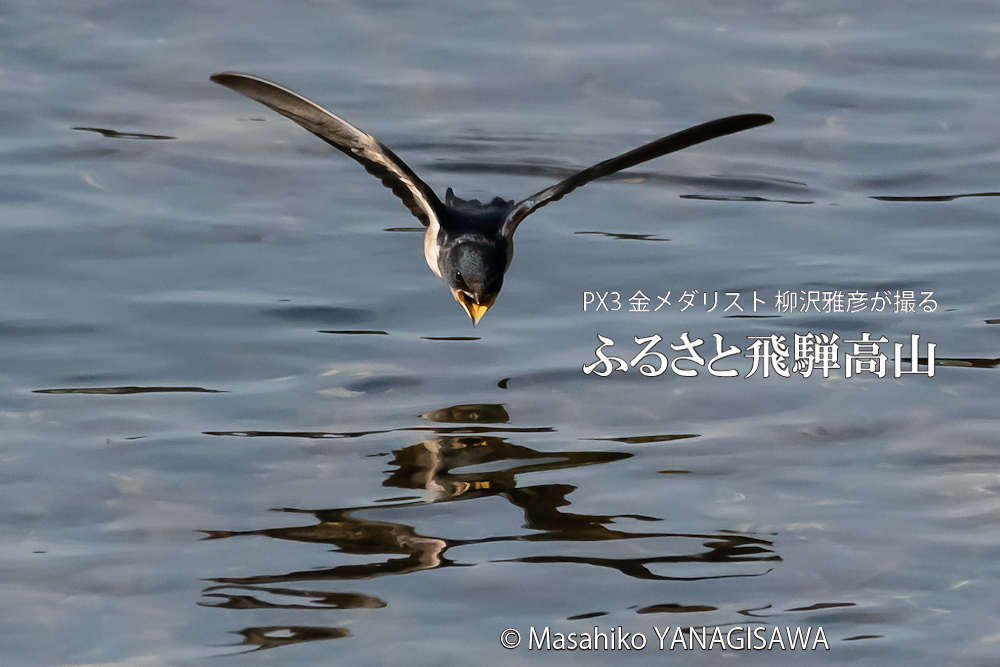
(241, 417)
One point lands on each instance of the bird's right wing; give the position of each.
(377, 159)
(675, 142)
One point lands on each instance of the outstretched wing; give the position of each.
(675, 142)
(377, 159)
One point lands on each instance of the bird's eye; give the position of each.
(458, 276)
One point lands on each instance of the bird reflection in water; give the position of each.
(472, 460)
(277, 635)
(468, 244)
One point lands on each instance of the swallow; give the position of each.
(468, 244)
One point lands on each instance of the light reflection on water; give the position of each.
(224, 371)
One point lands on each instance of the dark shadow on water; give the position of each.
(583, 617)
(471, 461)
(931, 198)
(626, 237)
(646, 439)
(673, 608)
(127, 390)
(114, 134)
(968, 362)
(451, 338)
(745, 198)
(822, 605)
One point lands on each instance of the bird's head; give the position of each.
(474, 272)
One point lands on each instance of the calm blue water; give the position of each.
(194, 468)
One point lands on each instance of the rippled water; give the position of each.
(242, 418)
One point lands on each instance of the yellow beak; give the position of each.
(475, 310)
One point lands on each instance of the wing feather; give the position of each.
(376, 158)
(675, 142)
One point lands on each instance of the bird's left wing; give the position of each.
(376, 158)
(675, 142)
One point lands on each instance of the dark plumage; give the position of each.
(468, 244)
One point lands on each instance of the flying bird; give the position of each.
(468, 244)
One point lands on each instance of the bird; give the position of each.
(468, 244)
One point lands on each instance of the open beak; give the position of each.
(474, 309)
